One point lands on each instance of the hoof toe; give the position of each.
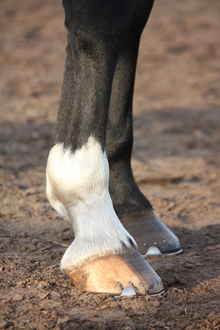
(114, 273)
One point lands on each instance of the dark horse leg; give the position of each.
(132, 207)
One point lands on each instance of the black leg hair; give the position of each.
(96, 32)
(126, 196)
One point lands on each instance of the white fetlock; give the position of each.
(77, 187)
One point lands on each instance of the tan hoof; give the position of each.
(110, 274)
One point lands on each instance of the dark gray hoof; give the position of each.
(152, 235)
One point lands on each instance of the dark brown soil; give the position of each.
(176, 162)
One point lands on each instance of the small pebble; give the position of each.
(18, 297)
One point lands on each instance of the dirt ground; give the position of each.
(176, 163)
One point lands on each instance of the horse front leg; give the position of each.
(103, 256)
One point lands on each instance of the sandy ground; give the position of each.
(176, 163)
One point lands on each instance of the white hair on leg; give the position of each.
(77, 187)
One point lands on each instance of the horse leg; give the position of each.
(131, 206)
(103, 256)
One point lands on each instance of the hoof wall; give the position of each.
(114, 273)
(150, 233)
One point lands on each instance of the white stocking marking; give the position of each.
(77, 187)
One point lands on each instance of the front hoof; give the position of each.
(152, 235)
(111, 274)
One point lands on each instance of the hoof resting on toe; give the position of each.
(111, 274)
(149, 232)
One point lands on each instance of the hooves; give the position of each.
(111, 274)
(152, 236)
(128, 271)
